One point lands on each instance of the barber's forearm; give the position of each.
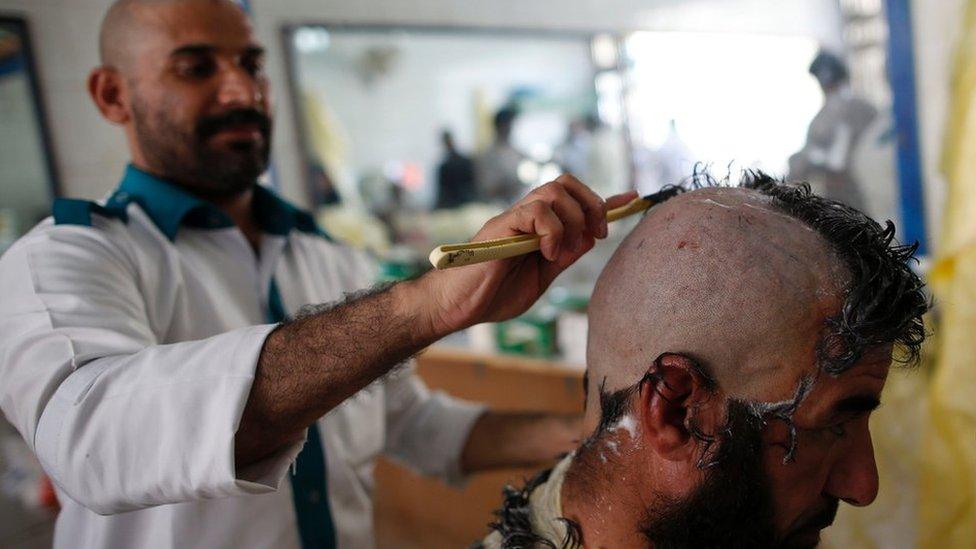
(500, 440)
(310, 365)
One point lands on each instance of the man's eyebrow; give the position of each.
(857, 404)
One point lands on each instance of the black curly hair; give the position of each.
(884, 300)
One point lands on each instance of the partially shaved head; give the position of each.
(763, 285)
(720, 275)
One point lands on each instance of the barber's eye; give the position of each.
(197, 68)
(253, 65)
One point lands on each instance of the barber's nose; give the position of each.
(854, 477)
(239, 90)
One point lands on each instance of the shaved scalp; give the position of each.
(719, 275)
(123, 24)
(750, 282)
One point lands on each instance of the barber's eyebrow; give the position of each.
(254, 51)
(193, 49)
(203, 49)
(857, 404)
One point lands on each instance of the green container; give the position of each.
(532, 334)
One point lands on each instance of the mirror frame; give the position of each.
(21, 27)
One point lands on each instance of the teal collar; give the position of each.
(169, 207)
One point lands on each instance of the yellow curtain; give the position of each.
(947, 481)
(925, 434)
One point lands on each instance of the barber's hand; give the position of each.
(568, 217)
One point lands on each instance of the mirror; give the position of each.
(424, 132)
(27, 176)
(430, 131)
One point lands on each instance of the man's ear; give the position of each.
(107, 89)
(674, 403)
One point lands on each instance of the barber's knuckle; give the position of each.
(537, 207)
(555, 228)
(552, 186)
(560, 194)
(575, 213)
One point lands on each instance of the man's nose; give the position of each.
(854, 477)
(238, 89)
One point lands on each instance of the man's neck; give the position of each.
(606, 511)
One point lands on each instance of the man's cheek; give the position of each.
(777, 441)
(797, 486)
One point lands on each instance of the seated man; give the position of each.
(739, 339)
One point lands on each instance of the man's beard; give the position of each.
(733, 507)
(188, 159)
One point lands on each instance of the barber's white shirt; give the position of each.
(129, 335)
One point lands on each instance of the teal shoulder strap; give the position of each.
(72, 211)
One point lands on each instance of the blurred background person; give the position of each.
(498, 178)
(595, 151)
(667, 164)
(323, 188)
(573, 154)
(455, 176)
(834, 133)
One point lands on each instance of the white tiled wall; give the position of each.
(90, 153)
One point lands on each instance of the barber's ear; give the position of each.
(675, 398)
(107, 89)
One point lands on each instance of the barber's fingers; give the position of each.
(570, 213)
(538, 217)
(594, 207)
(621, 199)
(562, 212)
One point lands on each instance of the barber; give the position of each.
(150, 351)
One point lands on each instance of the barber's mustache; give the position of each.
(210, 125)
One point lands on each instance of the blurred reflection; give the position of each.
(835, 132)
(499, 177)
(455, 176)
(717, 99)
(595, 153)
(415, 137)
(669, 163)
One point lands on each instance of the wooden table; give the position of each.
(417, 512)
